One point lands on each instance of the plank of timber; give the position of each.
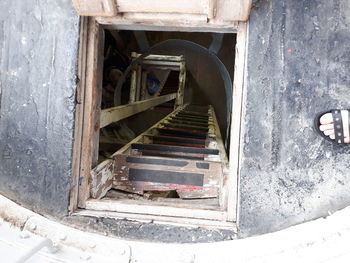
(168, 22)
(209, 203)
(223, 157)
(236, 123)
(164, 6)
(133, 85)
(173, 155)
(160, 57)
(96, 110)
(173, 64)
(90, 131)
(179, 140)
(181, 121)
(95, 7)
(79, 116)
(233, 10)
(118, 113)
(178, 221)
(182, 82)
(120, 206)
(191, 179)
(101, 180)
(180, 132)
(169, 148)
(186, 127)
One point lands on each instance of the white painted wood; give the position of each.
(124, 207)
(118, 113)
(167, 22)
(233, 10)
(95, 7)
(236, 120)
(158, 219)
(164, 6)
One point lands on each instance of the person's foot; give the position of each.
(327, 125)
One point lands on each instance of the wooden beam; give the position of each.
(118, 113)
(182, 82)
(157, 219)
(95, 7)
(170, 22)
(159, 57)
(92, 100)
(236, 123)
(79, 115)
(164, 6)
(153, 209)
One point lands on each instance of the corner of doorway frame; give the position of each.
(87, 93)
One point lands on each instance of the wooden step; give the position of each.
(189, 178)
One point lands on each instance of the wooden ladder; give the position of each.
(183, 153)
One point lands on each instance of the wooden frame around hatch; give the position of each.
(88, 114)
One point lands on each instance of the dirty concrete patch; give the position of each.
(131, 230)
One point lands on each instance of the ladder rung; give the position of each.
(178, 139)
(182, 133)
(186, 126)
(190, 119)
(205, 118)
(156, 161)
(166, 177)
(205, 125)
(168, 148)
(187, 157)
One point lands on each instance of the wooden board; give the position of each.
(92, 95)
(95, 7)
(164, 6)
(216, 10)
(118, 113)
(134, 208)
(79, 116)
(158, 219)
(101, 180)
(236, 123)
(189, 178)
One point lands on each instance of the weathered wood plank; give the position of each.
(233, 10)
(180, 175)
(79, 116)
(180, 221)
(164, 6)
(101, 180)
(95, 7)
(118, 113)
(91, 108)
(236, 119)
(121, 206)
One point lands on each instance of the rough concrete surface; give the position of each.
(298, 65)
(319, 241)
(148, 232)
(38, 53)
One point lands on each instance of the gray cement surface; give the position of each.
(38, 56)
(298, 65)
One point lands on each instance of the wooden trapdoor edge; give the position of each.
(91, 108)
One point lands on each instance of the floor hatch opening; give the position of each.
(163, 137)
